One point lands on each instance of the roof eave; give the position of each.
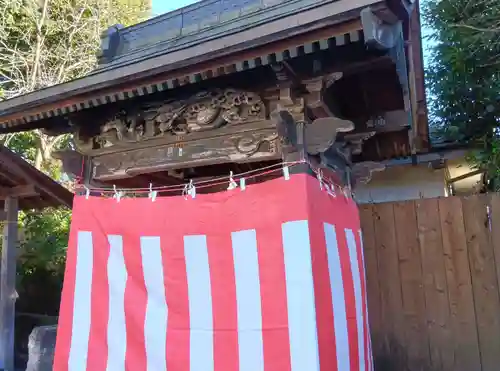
(273, 31)
(51, 193)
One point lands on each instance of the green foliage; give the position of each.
(45, 239)
(47, 42)
(25, 145)
(42, 258)
(43, 43)
(463, 76)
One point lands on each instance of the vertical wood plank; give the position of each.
(410, 267)
(456, 261)
(495, 231)
(8, 284)
(435, 286)
(372, 277)
(390, 285)
(484, 280)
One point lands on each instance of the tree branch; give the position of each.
(39, 42)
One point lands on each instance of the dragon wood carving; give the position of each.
(202, 112)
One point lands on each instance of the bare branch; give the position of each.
(474, 28)
(47, 42)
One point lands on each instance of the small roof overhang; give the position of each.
(35, 190)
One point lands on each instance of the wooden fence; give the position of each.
(433, 272)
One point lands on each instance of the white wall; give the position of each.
(401, 183)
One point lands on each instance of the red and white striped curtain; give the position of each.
(267, 278)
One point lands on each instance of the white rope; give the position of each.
(191, 188)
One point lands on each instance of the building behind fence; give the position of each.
(433, 283)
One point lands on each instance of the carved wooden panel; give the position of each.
(243, 147)
(203, 112)
(288, 122)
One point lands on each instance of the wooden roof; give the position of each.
(34, 189)
(196, 43)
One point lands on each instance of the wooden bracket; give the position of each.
(283, 72)
(286, 81)
(315, 98)
(322, 133)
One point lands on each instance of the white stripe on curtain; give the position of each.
(338, 298)
(200, 303)
(300, 296)
(78, 352)
(117, 280)
(248, 300)
(155, 325)
(356, 279)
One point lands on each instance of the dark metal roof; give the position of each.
(204, 21)
(210, 19)
(17, 172)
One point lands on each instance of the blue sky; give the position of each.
(163, 6)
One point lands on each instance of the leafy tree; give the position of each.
(45, 240)
(47, 42)
(42, 257)
(463, 77)
(43, 43)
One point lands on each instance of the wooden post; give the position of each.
(8, 284)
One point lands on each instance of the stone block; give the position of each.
(41, 347)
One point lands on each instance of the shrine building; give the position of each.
(237, 85)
